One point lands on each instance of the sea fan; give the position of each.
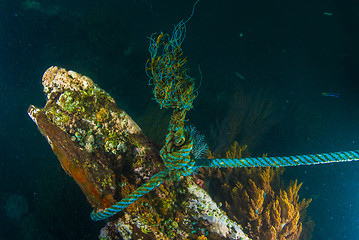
(200, 148)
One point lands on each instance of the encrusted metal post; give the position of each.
(107, 154)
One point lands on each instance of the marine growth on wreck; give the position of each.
(152, 193)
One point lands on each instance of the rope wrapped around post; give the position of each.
(173, 88)
(297, 160)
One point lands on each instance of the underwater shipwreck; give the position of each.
(148, 192)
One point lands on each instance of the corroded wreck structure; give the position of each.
(107, 154)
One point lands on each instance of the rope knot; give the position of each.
(177, 158)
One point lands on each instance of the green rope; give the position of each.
(155, 181)
(173, 88)
(296, 160)
(224, 162)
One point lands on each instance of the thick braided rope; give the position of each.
(280, 161)
(155, 181)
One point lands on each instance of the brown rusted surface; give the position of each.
(73, 160)
(96, 142)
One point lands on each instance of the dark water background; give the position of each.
(290, 51)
